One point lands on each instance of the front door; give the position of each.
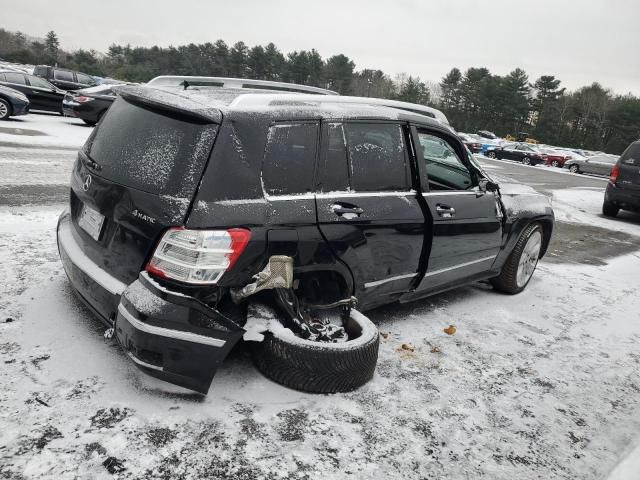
(48, 97)
(367, 210)
(467, 222)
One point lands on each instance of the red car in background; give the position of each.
(555, 158)
(472, 143)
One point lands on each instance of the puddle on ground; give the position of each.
(22, 131)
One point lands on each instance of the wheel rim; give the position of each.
(4, 111)
(554, 163)
(526, 160)
(492, 155)
(529, 259)
(574, 169)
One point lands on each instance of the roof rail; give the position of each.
(222, 82)
(270, 100)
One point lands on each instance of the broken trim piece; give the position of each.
(165, 332)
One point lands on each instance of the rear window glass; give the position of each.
(63, 75)
(377, 156)
(631, 156)
(149, 151)
(85, 79)
(289, 158)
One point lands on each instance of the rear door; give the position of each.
(629, 175)
(48, 97)
(367, 209)
(467, 223)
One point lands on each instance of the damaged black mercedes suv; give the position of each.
(188, 203)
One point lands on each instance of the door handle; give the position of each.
(341, 210)
(445, 211)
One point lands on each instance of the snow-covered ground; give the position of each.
(545, 384)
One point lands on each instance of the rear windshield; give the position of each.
(150, 151)
(631, 156)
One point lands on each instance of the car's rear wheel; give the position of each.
(609, 209)
(574, 168)
(519, 267)
(491, 154)
(320, 367)
(5, 109)
(526, 161)
(555, 163)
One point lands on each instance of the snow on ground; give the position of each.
(584, 205)
(50, 130)
(541, 385)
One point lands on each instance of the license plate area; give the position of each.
(91, 221)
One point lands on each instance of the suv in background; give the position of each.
(63, 78)
(623, 189)
(181, 200)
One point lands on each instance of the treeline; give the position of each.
(591, 117)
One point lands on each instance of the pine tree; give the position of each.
(52, 44)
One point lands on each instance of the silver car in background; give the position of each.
(597, 164)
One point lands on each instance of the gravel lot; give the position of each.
(545, 384)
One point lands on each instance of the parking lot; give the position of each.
(544, 384)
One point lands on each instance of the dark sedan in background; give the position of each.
(89, 104)
(12, 102)
(520, 152)
(41, 94)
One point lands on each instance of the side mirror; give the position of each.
(487, 185)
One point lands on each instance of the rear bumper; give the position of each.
(624, 198)
(170, 336)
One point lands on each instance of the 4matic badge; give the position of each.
(143, 216)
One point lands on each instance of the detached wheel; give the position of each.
(609, 209)
(5, 109)
(574, 168)
(519, 267)
(320, 367)
(491, 154)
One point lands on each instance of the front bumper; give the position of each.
(19, 108)
(170, 336)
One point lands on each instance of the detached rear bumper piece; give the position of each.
(170, 336)
(173, 337)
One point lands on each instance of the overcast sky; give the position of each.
(578, 41)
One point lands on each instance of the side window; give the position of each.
(442, 164)
(631, 155)
(16, 78)
(39, 82)
(289, 158)
(377, 157)
(63, 75)
(85, 79)
(333, 171)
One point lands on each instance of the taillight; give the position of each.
(615, 171)
(197, 256)
(83, 99)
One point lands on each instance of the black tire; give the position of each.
(491, 154)
(526, 161)
(321, 367)
(574, 168)
(89, 122)
(609, 209)
(5, 109)
(507, 282)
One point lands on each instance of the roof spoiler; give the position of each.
(157, 99)
(224, 82)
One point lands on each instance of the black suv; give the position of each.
(181, 199)
(623, 189)
(63, 78)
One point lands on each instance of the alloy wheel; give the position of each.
(529, 258)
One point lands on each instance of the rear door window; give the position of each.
(85, 79)
(39, 82)
(150, 151)
(16, 78)
(289, 158)
(377, 157)
(63, 75)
